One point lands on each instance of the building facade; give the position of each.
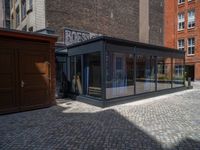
(28, 15)
(5, 13)
(104, 70)
(1, 13)
(182, 31)
(133, 20)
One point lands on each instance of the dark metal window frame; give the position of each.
(102, 44)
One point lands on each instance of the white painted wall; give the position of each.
(36, 18)
(1, 13)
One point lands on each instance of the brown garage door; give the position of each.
(27, 75)
(34, 79)
(24, 79)
(8, 100)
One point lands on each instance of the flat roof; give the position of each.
(123, 42)
(27, 35)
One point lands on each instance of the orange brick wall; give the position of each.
(171, 34)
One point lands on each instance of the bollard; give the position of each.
(189, 81)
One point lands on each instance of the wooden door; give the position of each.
(34, 79)
(8, 100)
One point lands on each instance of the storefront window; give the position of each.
(178, 72)
(145, 74)
(119, 74)
(164, 79)
(92, 74)
(75, 74)
(61, 76)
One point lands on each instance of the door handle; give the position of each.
(49, 73)
(22, 83)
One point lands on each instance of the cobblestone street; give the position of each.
(165, 122)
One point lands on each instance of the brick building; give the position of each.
(182, 31)
(133, 20)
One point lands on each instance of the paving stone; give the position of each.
(167, 122)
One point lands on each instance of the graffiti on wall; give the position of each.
(72, 36)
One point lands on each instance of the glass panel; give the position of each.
(75, 75)
(61, 76)
(72, 75)
(78, 75)
(92, 73)
(119, 75)
(145, 74)
(178, 75)
(164, 79)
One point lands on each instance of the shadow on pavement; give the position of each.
(55, 128)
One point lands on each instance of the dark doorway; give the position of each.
(61, 76)
(189, 72)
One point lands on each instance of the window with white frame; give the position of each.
(23, 9)
(191, 19)
(181, 44)
(179, 70)
(191, 46)
(181, 1)
(181, 21)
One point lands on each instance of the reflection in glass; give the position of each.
(164, 73)
(178, 72)
(72, 74)
(92, 73)
(119, 75)
(145, 74)
(78, 75)
(61, 76)
(75, 75)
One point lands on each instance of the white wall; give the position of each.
(1, 14)
(39, 14)
(36, 18)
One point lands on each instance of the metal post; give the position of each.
(134, 61)
(156, 72)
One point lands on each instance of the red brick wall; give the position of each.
(171, 34)
(169, 23)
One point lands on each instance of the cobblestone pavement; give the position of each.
(165, 122)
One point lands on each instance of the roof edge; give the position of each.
(27, 35)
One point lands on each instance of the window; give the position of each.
(30, 29)
(8, 24)
(17, 16)
(191, 19)
(12, 21)
(24, 28)
(23, 7)
(191, 46)
(120, 74)
(181, 1)
(179, 70)
(164, 76)
(145, 73)
(178, 73)
(181, 21)
(181, 44)
(30, 4)
(92, 75)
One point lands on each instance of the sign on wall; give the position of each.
(72, 36)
